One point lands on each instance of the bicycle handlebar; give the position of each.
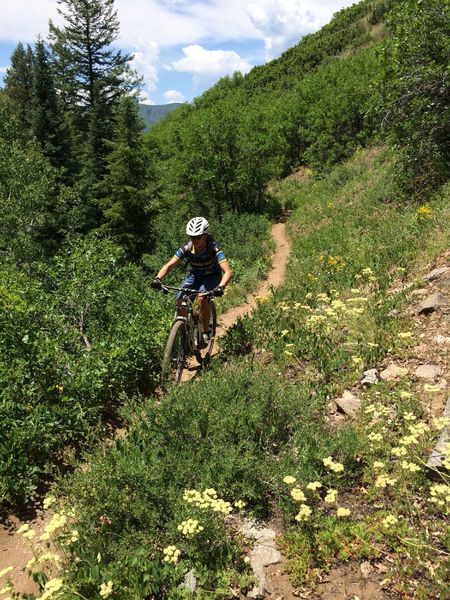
(188, 291)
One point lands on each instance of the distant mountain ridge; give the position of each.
(152, 113)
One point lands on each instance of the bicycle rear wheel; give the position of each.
(175, 354)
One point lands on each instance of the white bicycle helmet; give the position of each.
(197, 226)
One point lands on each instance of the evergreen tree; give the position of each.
(91, 70)
(94, 158)
(19, 83)
(46, 116)
(125, 201)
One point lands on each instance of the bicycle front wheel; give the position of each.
(212, 329)
(175, 354)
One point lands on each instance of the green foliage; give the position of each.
(71, 345)
(47, 124)
(123, 192)
(28, 201)
(82, 47)
(413, 96)
(223, 432)
(19, 83)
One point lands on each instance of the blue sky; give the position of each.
(183, 47)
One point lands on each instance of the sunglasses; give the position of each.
(196, 237)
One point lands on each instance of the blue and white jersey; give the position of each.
(205, 263)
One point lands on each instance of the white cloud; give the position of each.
(24, 20)
(206, 63)
(3, 69)
(144, 98)
(181, 22)
(284, 22)
(146, 62)
(174, 96)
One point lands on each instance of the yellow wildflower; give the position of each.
(106, 589)
(74, 536)
(25, 527)
(405, 335)
(378, 464)
(384, 480)
(343, 512)
(409, 416)
(29, 535)
(51, 587)
(171, 554)
(375, 437)
(240, 504)
(399, 451)
(49, 501)
(409, 466)
(289, 479)
(424, 212)
(405, 395)
(190, 527)
(298, 495)
(390, 520)
(314, 485)
(304, 513)
(330, 498)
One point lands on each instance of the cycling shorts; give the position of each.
(201, 283)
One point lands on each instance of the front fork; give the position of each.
(184, 313)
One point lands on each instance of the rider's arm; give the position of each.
(168, 267)
(226, 272)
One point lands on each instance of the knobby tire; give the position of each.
(212, 327)
(175, 354)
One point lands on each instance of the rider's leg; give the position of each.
(204, 311)
(209, 283)
(189, 282)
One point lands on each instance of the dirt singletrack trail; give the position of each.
(14, 550)
(275, 278)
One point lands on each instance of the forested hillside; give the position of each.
(91, 207)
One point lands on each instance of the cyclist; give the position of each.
(209, 269)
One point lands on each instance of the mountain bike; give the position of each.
(186, 337)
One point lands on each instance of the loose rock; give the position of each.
(430, 304)
(348, 403)
(190, 581)
(370, 377)
(441, 339)
(419, 292)
(436, 459)
(366, 569)
(428, 372)
(393, 372)
(264, 553)
(436, 273)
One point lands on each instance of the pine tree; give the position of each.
(125, 200)
(19, 83)
(46, 116)
(90, 69)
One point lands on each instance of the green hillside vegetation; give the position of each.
(91, 207)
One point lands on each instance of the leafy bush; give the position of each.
(411, 93)
(71, 344)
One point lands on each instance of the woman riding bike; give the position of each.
(209, 269)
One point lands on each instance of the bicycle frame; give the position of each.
(191, 318)
(187, 329)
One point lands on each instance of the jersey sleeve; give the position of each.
(181, 253)
(220, 256)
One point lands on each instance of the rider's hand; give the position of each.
(156, 284)
(218, 291)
